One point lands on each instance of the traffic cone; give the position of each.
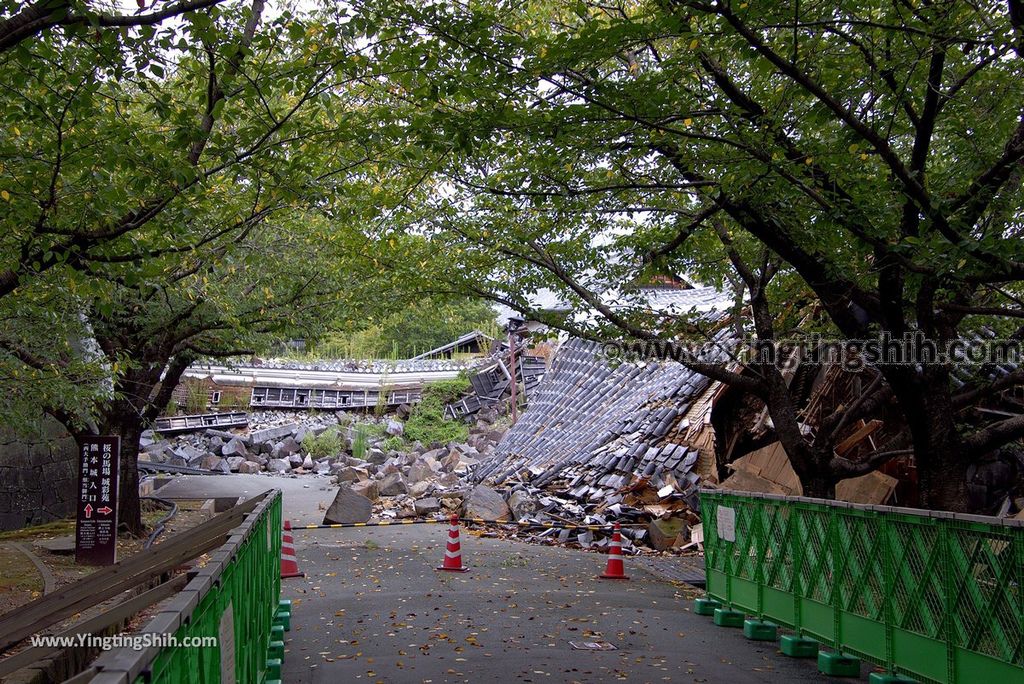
(453, 552)
(615, 568)
(289, 565)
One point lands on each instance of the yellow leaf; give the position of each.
(854, 147)
(15, 130)
(687, 121)
(6, 195)
(863, 156)
(694, 43)
(809, 161)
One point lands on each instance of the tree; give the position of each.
(868, 153)
(160, 189)
(419, 324)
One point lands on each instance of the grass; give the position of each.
(55, 528)
(17, 572)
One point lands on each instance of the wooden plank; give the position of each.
(96, 624)
(110, 581)
(873, 488)
(857, 437)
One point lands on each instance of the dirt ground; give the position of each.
(21, 581)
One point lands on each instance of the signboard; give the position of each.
(226, 640)
(99, 459)
(725, 521)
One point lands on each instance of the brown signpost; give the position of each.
(99, 459)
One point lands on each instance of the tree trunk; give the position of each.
(818, 485)
(924, 397)
(128, 494)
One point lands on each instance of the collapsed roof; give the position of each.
(594, 424)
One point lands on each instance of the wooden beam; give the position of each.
(94, 625)
(862, 433)
(111, 581)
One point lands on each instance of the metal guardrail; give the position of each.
(933, 595)
(233, 598)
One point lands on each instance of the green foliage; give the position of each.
(360, 440)
(383, 392)
(427, 423)
(326, 444)
(393, 443)
(415, 327)
(196, 397)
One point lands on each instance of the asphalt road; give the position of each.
(372, 608)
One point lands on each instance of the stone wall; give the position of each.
(38, 477)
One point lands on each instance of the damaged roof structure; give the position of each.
(593, 424)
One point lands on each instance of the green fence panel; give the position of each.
(238, 594)
(932, 595)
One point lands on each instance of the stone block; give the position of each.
(348, 507)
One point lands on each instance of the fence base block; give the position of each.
(277, 633)
(798, 647)
(729, 618)
(276, 650)
(273, 668)
(889, 678)
(838, 665)
(756, 630)
(705, 606)
(284, 619)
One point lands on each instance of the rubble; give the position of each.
(279, 465)
(427, 506)
(666, 533)
(367, 488)
(393, 484)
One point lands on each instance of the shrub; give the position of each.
(196, 397)
(427, 423)
(327, 443)
(393, 443)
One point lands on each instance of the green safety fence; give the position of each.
(221, 621)
(239, 605)
(936, 596)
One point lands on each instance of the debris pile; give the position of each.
(275, 442)
(425, 482)
(607, 442)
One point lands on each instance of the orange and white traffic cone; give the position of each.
(453, 552)
(289, 564)
(615, 568)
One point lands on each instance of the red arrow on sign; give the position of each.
(88, 510)
(106, 510)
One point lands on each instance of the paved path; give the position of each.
(373, 609)
(306, 497)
